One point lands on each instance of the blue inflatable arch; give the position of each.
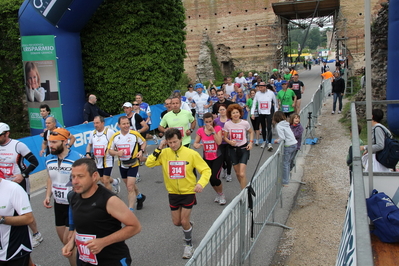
(64, 19)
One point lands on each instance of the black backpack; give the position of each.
(389, 156)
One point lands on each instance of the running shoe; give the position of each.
(217, 199)
(332, 112)
(228, 178)
(269, 147)
(222, 200)
(155, 139)
(37, 239)
(257, 142)
(263, 145)
(224, 173)
(188, 251)
(116, 185)
(140, 202)
(339, 112)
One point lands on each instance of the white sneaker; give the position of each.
(257, 142)
(116, 185)
(155, 139)
(222, 200)
(269, 147)
(339, 112)
(217, 199)
(37, 239)
(332, 112)
(224, 173)
(188, 252)
(263, 145)
(228, 178)
(138, 179)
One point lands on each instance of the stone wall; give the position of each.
(245, 33)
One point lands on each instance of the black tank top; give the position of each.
(91, 217)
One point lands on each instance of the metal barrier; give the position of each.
(233, 235)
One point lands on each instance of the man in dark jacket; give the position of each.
(91, 110)
(338, 90)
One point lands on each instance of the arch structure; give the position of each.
(51, 54)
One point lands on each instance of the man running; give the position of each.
(129, 146)
(12, 155)
(299, 88)
(178, 163)
(97, 215)
(59, 167)
(98, 144)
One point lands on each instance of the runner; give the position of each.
(98, 144)
(59, 167)
(178, 163)
(129, 146)
(235, 134)
(99, 235)
(220, 121)
(211, 137)
(12, 154)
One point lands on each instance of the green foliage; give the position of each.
(11, 74)
(134, 47)
(215, 65)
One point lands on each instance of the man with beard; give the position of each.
(59, 167)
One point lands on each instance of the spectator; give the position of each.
(91, 110)
(338, 91)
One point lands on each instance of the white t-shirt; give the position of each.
(99, 141)
(241, 80)
(237, 131)
(229, 88)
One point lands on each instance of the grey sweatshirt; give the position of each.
(285, 133)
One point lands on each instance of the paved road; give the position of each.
(160, 242)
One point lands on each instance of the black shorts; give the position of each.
(298, 94)
(131, 171)
(61, 213)
(239, 154)
(105, 171)
(186, 201)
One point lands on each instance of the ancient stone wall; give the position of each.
(245, 34)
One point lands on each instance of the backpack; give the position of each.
(389, 156)
(385, 215)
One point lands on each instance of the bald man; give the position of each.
(91, 110)
(51, 124)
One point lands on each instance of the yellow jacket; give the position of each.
(177, 168)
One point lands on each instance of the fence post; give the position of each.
(243, 232)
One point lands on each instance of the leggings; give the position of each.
(266, 119)
(216, 167)
(224, 147)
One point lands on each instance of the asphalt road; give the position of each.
(160, 242)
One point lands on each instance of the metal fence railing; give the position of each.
(233, 235)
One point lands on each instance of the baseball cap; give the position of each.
(284, 82)
(4, 128)
(199, 85)
(237, 84)
(127, 104)
(255, 74)
(59, 134)
(275, 70)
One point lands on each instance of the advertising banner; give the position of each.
(41, 77)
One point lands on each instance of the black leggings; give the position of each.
(216, 167)
(255, 123)
(224, 147)
(24, 261)
(266, 119)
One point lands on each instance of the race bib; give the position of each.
(7, 169)
(285, 108)
(237, 134)
(126, 148)
(60, 193)
(84, 252)
(181, 129)
(99, 150)
(177, 169)
(295, 86)
(264, 105)
(210, 146)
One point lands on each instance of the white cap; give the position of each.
(3, 128)
(255, 74)
(127, 104)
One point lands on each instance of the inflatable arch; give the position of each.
(51, 52)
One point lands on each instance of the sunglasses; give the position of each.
(136, 104)
(3, 134)
(57, 133)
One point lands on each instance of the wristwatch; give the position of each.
(2, 220)
(23, 175)
(191, 130)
